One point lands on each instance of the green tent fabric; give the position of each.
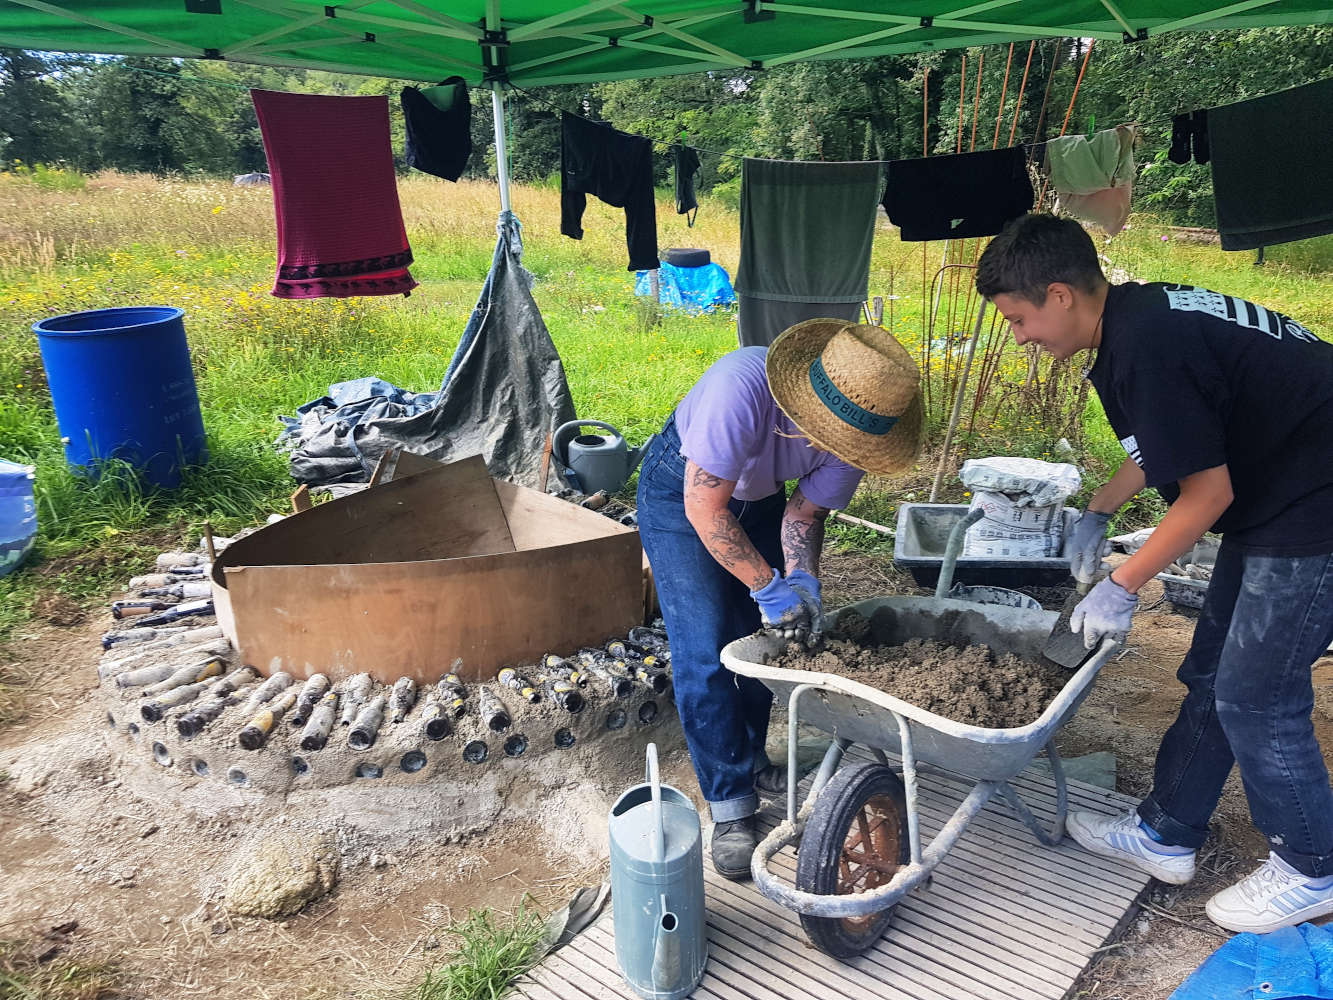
(534, 42)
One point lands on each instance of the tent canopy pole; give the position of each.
(501, 143)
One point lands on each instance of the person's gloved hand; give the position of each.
(782, 609)
(1105, 611)
(1087, 545)
(807, 586)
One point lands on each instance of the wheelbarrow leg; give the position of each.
(1057, 831)
(832, 756)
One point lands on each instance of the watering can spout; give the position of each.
(636, 455)
(666, 952)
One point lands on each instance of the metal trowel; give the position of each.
(1065, 648)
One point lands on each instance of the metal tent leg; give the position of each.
(501, 143)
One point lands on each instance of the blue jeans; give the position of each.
(1264, 622)
(725, 716)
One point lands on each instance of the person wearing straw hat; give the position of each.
(1225, 407)
(732, 553)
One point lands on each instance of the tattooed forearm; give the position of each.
(706, 498)
(803, 534)
(728, 543)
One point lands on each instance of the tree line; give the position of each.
(195, 118)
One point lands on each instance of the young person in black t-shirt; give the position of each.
(1227, 409)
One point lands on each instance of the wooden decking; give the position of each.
(1003, 918)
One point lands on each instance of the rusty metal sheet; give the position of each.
(568, 578)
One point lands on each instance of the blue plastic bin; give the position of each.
(18, 515)
(123, 388)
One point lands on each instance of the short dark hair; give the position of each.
(1035, 250)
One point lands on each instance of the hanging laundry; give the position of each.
(687, 166)
(957, 197)
(1272, 172)
(617, 167)
(439, 128)
(1094, 177)
(1189, 137)
(806, 232)
(340, 228)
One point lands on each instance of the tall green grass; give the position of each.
(208, 248)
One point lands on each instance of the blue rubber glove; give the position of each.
(1105, 611)
(807, 586)
(782, 609)
(1087, 545)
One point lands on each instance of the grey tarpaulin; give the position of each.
(504, 391)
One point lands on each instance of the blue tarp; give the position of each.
(692, 289)
(1294, 963)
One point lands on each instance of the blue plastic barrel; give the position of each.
(123, 388)
(18, 515)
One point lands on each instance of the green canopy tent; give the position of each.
(530, 43)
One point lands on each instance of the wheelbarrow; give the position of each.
(859, 828)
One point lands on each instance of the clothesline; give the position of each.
(1159, 120)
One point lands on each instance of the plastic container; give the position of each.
(123, 387)
(923, 531)
(18, 515)
(657, 889)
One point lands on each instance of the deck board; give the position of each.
(1003, 917)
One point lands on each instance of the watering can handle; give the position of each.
(655, 782)
(560, 440)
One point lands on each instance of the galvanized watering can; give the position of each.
(593, 462)
(657, 888)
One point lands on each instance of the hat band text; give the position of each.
(843, 408)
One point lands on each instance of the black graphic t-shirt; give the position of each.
(1191, 379)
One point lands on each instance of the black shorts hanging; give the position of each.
(959, 196)
(439, 140)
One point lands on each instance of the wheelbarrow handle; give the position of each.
(952, 549)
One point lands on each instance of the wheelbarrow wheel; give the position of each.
(856, 840)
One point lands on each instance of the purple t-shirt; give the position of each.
(729, 424)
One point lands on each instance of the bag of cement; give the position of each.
(1029, 482)
(1023, 500)
(1014, 530)
(1132, 542)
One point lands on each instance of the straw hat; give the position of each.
(851, 389)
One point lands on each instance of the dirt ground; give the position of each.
(143, 878)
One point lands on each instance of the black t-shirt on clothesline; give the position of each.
(1192, 379)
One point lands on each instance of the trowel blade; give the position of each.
(1065, 648)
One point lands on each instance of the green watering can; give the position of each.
(657, 888)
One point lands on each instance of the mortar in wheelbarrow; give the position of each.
(863, 714)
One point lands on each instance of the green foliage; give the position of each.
(50, 178)
(492, 951)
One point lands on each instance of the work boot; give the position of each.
(1276, 895)
(733, 844)
(1124, 838)
(771, 780)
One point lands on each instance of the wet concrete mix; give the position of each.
(966, 683)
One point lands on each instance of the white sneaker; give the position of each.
(1276, 895)
(1122, 838)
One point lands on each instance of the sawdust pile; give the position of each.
(968, 684)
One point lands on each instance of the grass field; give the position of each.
(71, 243)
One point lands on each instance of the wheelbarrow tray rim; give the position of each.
(1037, 732)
